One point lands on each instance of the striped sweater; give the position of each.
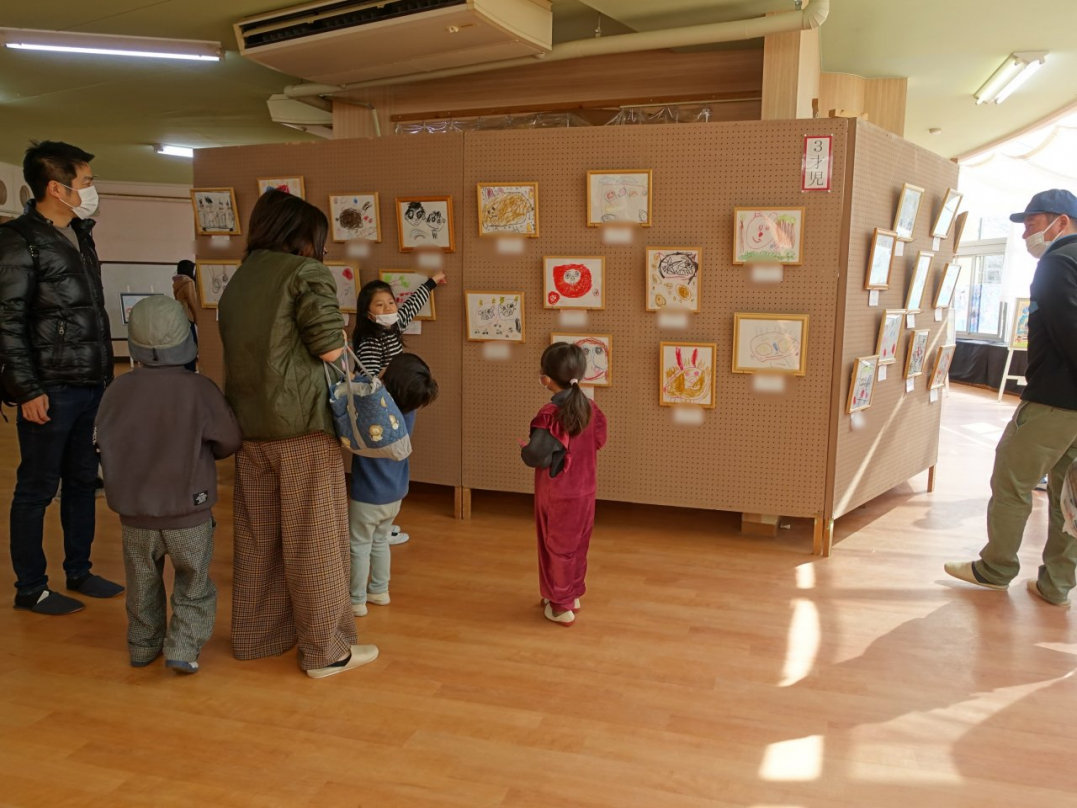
(376, 353)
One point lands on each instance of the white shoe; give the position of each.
(563, 619)
(1034, 588)
(397, 536)
(359, 609)
(575, 604)
(378, 598)
(962, 570)
(361, 655)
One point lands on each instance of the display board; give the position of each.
(120, 279)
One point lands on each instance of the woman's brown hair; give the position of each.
(285, 223)
(565, 364)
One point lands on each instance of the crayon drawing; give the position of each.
(943, 358)
(574, 282)
(890, 335)
(673, 278)
(598, 350)
(917, 354)
(508, 210)
(921, 269)
(773, 343)
(425, 221)
(404, 283)
(215, 211)
(687, 373)
(944, 296)
(1019, 333)
(768, 235)
(494, 316)
(862, 385)
(880, 259)
(947, 214)
(289, 185)
(213, 277)
(619, 197)
(908, 207)
(347, 280)
(355, 216)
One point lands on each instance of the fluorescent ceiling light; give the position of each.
(110, 45)
(175, 151)
(1014, 72)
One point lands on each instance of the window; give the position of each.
(979, 298)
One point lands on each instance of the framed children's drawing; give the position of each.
(959, 229)
(355, 216)
(920, 271)
(574, 282)
(494, 316)
(213, 277)
(947, 214)
(917, 353)
(347, 277)
(289, 185)
(880, 259)
(862, 385)
(943, 357)
(908, 207)
(673, 278)
(889, 334)
(768, 235)
(774, 343)
(619, 197)
(1019, 331)
(687, 374)
(508, 209)
(215, 212)
(944, 295)
(404, 282)
(425, 221)
(598, 348)
(128, 301)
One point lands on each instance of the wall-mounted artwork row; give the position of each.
(673, 280)
(880, 259)
(687, 373)
(862, 384)
(215, 212)
(574, 282)
(770, 343)
(494, 316)
(425, 221)
(947, 214)
(288, 185)
(619, 197)
(915, 298)
(355, 216)
(213, 277)
(908, 207)
(768, 235)
(508, 209)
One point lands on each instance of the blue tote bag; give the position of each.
(367, 420)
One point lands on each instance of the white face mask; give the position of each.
(387, 320)
(88, 202)
(1036, 245)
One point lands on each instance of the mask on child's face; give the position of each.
(387, 320)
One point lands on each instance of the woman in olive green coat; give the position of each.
(279, 318)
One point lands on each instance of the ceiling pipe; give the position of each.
(733, 31)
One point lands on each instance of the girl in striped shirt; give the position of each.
(377, 339)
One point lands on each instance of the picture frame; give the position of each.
(947, 214)
(959, 229)
(403, 283)
(1019, 327)
(598, 348)
(687, 374)
(770, 343)
(355, 216)
(128, 301)
(213, 277)
(574, 282)
(508, 209)
(346, 275)
(293, 185)
(768, 235)
(916, 354)
(944, 357)
(494, 316)
(944, 295)
(907, 209)
(880, 259)
(921, 271)
(862, 384)
(424, 222)
(673, 281)
(215, 212)
(621, 197)
(890, 328)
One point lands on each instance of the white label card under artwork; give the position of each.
(414, 327)
(218, 242)
(673, 319)
(617, 234)
(873, 297)
(857, 421)
(935, 244)
(573, 318)
(768, 383)
(498, 351)
(910, 321)
(429, 259)
(358, 249)
(767, 273)
(933, 396)
(688, 416)
(910, 385)
(938, 315)
(899, 249)
(510, 245)
(882, 373)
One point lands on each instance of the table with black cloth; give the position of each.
(981, 362)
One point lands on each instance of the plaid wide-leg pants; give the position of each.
(291, 562)
(194, 597)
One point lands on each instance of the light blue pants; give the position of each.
(370, 526)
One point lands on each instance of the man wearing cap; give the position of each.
(1041, 438)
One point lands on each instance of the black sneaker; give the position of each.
(94, 586)
(48, 602)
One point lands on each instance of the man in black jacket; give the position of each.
(55, 360)
(1042, 436)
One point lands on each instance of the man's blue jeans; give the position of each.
(61, 449)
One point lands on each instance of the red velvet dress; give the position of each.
(565, 508)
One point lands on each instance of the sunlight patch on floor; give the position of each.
(802, 642)
(796, 760)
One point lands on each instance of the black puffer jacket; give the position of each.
(53, 325)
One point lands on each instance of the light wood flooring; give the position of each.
(706, 669)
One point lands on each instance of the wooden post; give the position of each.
(790, 74)
(931, 480)
(462, 503)
(823, 536)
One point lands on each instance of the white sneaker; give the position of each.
(962, 570)
(359, 609)
(378, 598)
(563, 619)
(397, 536)
(361, 655)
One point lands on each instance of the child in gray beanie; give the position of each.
(160, 429)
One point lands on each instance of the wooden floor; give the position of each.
(706, 669)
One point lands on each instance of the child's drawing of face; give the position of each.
(759, 232)
(415, 213)
(508, 308)
(598, 360)
(487, 313)
(436, 220)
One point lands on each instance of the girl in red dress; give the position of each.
(562, 449)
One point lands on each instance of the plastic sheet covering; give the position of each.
(682, 113)
(538, 120)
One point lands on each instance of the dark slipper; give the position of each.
(142, 663)
(94, 586)
(48, 602)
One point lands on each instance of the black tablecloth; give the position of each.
(981, 362)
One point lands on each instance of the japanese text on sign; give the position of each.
(817, 165)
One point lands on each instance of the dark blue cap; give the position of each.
(1054, 201)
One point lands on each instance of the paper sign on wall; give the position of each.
(873, 297)
(817, 166)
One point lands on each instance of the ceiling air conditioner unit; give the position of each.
(297, 115)
(346, 41)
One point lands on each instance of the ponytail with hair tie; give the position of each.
(566, 361)
(574, 382)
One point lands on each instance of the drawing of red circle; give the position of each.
(572, 280)
(347, 273)
(553, 297)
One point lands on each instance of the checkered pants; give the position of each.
(291, 565)
(194, 597)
